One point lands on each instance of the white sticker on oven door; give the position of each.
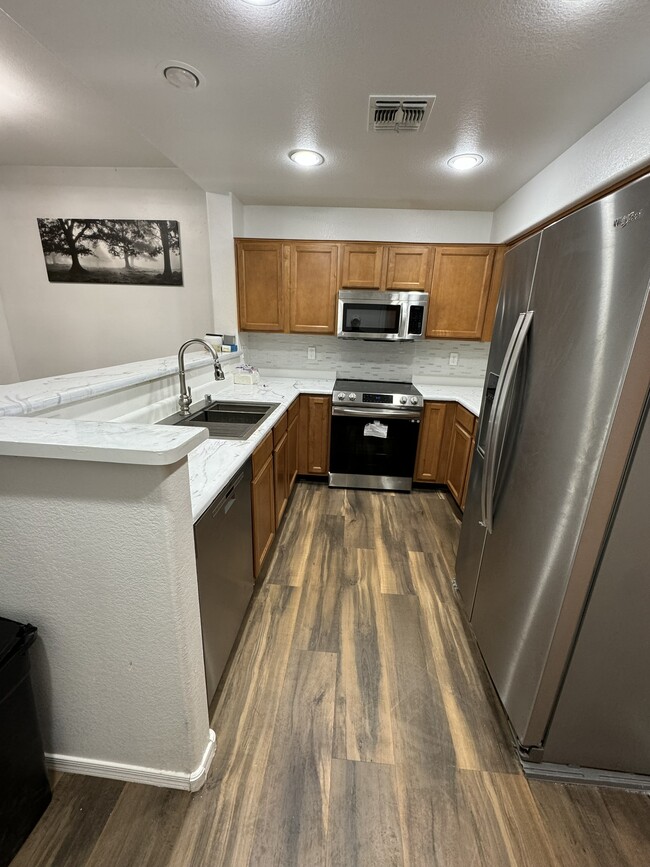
(376, 429)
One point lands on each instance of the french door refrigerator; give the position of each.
(562, 412)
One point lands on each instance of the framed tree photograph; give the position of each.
(112, 251)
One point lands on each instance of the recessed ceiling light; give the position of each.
(183, 79)
(260, 2)
(462, 162)
(306, 158)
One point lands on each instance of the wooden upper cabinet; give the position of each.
(459, 292)
(260, 286)
(408, 267)
(313, 282)
(362, 266)
(493, 297)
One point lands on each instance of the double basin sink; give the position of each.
(228, 420)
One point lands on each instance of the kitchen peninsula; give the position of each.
(100, 503)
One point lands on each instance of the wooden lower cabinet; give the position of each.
(292, 446)
(445, 447)
(314, 434)
(263, 503)
(460, 454)
(430, 445)
(281, 477)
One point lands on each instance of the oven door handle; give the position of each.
(362, 412)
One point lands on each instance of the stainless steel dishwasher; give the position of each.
(224, 566)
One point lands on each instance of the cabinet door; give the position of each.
(362, 266)
(314, 434)
(432, 429)
(260, 286)
(460, 452)
(493, 297)
(313, 281)
(409, 267)
(280, 479)
(263, 509)
(459, 292)
(292, 454)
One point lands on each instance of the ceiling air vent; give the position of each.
(399, 113)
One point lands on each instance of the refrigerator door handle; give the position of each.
(495, 435)
(490, 422)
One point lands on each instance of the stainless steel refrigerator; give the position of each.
(560, 477)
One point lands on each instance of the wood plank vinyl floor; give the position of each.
(355, 727)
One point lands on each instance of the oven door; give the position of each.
(378, 319)
(360, 457)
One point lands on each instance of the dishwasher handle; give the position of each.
(226, 502)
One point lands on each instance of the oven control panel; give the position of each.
(377, 398)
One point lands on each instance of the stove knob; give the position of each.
(402, 399)
(414, 399)
(352, 396)
(341, 395)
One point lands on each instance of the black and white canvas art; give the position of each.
(112, 251)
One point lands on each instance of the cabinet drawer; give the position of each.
(465, 418)
(262, 453)
(279, 429)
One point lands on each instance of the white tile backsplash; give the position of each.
(358, 359)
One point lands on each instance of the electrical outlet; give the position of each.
(311, 353)
(453, 359)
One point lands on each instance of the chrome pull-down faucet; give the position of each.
(185, 399)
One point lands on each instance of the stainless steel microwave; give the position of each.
(370, 314)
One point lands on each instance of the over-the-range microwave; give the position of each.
(369, 314)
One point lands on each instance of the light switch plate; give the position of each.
(311, 353)
(453, 359)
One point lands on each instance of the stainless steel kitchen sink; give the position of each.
(228, 420)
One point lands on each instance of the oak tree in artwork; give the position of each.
(72, 238)
(113, 251)
(128, 240)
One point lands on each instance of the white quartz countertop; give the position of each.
(37, 395)
(468, 396)
(215, 461)
(109, 442)
(212, 462)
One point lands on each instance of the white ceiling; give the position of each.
(518, 81)
(47, 117)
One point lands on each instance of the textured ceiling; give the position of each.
(519, 81)
(48, 117)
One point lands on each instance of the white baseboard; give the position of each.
(191, 782)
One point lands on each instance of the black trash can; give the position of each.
(24, 786)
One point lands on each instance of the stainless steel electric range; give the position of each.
(375, 427)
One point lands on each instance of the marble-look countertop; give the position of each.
(109, 442)
(468, 396)
(213, 463)
(36, 395)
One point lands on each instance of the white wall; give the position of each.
(367, 224)
(612, 149)
(65, 327)
(224, 211)
(8, 368)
